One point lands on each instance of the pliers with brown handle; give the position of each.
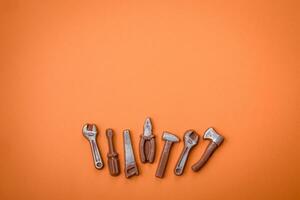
(147, 143)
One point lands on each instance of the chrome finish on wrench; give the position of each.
(130, 164)
(190, 140)
(90, 132)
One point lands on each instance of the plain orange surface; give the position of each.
(233, 65)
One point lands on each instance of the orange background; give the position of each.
(233, 65)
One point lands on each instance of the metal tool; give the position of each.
(90, 132)
(216, 141)
(112, 155)
(147, 143)
(190, 140)
(130, 164)
(164, 157)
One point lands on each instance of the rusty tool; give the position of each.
(190, 140)
(112, 155)
(147, 143)
(130, 164)
(216, 141)
(164, 157)
(90, 132)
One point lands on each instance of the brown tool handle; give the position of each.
(147, 148)
(163, 160)
(112, 156)
(142, 149)
(131, 170)
(113, 164)
(204, 158)
(152, 147)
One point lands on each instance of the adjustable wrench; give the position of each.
(190, 140)
(90, 132)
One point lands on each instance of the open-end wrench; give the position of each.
(130, 164)
(190, 140)
(90, 132)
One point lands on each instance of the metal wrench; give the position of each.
(190, 140)
(90, 132)
(130, 164)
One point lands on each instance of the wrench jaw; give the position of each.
(89, 134)
(191, 138)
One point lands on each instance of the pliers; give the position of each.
(147, 143)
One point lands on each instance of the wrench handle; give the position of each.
(96, 154)
(163, 159)
(182, 161)
(204, 158)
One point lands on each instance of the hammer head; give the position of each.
(170, 137)
(212, 135)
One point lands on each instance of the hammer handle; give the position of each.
(163, 159)
(204, 158)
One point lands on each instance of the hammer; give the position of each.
(215, 141)
(164, 157)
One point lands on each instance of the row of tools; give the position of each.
(147, 149)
